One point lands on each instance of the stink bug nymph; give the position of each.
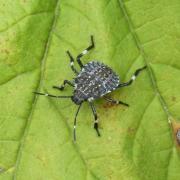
(93, 81)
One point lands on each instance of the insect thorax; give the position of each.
(94, 80)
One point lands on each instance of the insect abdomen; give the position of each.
(95, 80)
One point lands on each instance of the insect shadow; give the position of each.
(93, 81)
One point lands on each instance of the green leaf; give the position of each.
(138, 142)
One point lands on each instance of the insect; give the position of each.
(94, 80)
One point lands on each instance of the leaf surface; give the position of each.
(138, 142)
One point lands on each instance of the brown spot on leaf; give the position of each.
(108, 105)
(173, 98)
(131, 130)
(178, 136)
(6, 51)
(176, 131)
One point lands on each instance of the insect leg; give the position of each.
(95, 118)
(63, 85)
(132, 78)
(72, 63)
(85, 52)
(51, 95)
(115, 101)
(74, 131)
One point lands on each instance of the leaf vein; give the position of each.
(21, 19)
(74, 146)
(44, 57)
(139, 46)
(139, 124)
(152, 77)
(17, 75)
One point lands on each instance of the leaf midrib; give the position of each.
(151, 75)
(43, 62)
(26, 129)
(141, 50)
